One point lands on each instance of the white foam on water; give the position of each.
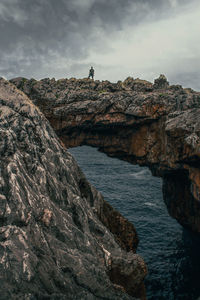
(140, 175)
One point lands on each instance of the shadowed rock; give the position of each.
(53, 241)
(156, 125)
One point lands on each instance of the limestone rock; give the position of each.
(137, 85)
(53, 244)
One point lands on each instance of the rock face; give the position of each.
(154, 125)
(55, 228)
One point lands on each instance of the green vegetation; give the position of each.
(163, 95)
(102, 91)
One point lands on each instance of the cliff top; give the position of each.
(129, 83)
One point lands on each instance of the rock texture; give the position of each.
(156, 125)
(55, 239)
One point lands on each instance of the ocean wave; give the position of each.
(150, 204)
(141, 175)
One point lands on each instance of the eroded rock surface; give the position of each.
(53, 241)
(156, 125)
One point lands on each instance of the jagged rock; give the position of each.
(53, 244)
(157, 126)
(161, 82)
(138, 85)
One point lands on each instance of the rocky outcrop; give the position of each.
(154, 125)
(161, 82)
(55, 241)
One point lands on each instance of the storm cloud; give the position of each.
(120, 38)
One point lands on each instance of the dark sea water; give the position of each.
(171, 253)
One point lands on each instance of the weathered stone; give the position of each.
(137, 85)
(154, 125)
(53, 244)
(161, 82)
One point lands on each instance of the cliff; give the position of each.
(59, 239)
(154, 125)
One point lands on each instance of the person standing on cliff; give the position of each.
(91, 73)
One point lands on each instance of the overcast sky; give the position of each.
(119, 38)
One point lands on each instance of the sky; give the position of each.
(119, 38)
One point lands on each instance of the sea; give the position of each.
(172, 254)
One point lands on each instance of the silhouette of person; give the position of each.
(91, 73)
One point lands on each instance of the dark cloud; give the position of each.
(40, 36)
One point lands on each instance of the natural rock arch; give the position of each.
(151, 125)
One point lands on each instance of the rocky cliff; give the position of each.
(156, 125)
(59, 239)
